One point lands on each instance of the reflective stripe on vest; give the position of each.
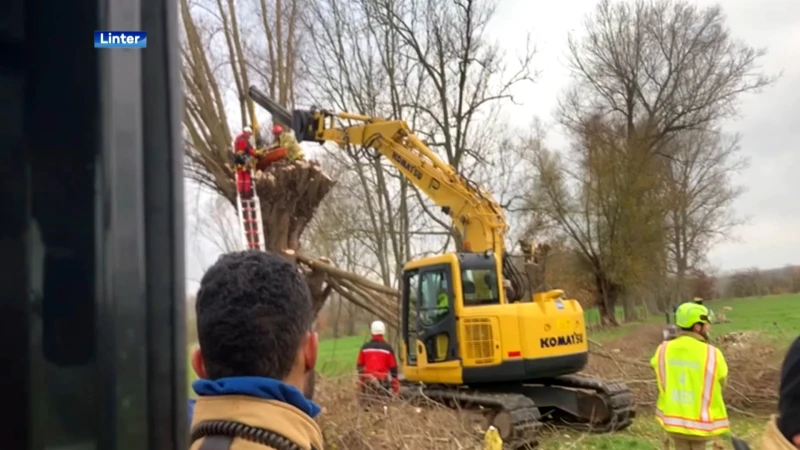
(662, 366)
(689, 424)
(708, 383)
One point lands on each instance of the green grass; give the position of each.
(337, 357)
(644, 434)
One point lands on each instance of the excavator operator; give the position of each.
(243, 154)
(377, 366)
(284, 147)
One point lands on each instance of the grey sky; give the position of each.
(769, 123)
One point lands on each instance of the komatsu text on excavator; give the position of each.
(474, 336)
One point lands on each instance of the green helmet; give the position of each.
(691, 313)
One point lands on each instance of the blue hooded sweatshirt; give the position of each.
(265, 388)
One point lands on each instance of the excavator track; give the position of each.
(514, 415)
(603, 406)
(519, 410)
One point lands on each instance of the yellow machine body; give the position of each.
(484, 343)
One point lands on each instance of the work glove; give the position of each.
(395, 386)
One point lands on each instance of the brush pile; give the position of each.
(399, 425)
(753, 367)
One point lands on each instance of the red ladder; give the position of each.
(250, 223)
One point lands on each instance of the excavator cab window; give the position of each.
(479, 287)
(410, 292)
(428, 315)
(435, 299)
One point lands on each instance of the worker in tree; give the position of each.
(690, 374)
(377, 367)
(284, 148)
(244, 156)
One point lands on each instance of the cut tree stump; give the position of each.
(290, 194)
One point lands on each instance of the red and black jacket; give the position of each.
(376, 358)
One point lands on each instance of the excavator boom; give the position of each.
(477, 216)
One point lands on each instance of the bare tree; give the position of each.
(223, 54)
(590, 199)
(217, 224)
(356, 65)
(664, 66)
(430, 64)
(643, 72)
(699, 198)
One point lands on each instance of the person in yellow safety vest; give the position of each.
(691, 374)
(442, 302)
(285, 140)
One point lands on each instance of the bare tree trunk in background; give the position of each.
(699, 198)
(644, 74)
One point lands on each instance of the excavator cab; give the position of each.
(458, 326)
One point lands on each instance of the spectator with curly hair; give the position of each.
(257, 349)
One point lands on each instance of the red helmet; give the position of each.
(277, 129)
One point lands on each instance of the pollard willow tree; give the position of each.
(223, 54)
(647, 71)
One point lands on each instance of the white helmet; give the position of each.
(247, 130)
(377, 328)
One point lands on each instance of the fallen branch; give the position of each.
(387, 309)
(367, 306)
(316, 263)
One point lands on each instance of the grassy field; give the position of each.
(777, 317)
(644, 434)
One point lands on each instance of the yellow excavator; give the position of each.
(473, 334)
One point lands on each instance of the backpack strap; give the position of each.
(219, 435)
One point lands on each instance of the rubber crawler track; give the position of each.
(618, 396)
(526, 417)
(524, 414)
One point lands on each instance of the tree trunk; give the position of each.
(290, 193)
(606, 294)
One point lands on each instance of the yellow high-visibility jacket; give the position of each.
(691, 374)
(293, 149)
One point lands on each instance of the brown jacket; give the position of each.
(773, 439)
(273, 415)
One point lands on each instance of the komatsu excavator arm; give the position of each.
(477, 216)
(475, 213)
